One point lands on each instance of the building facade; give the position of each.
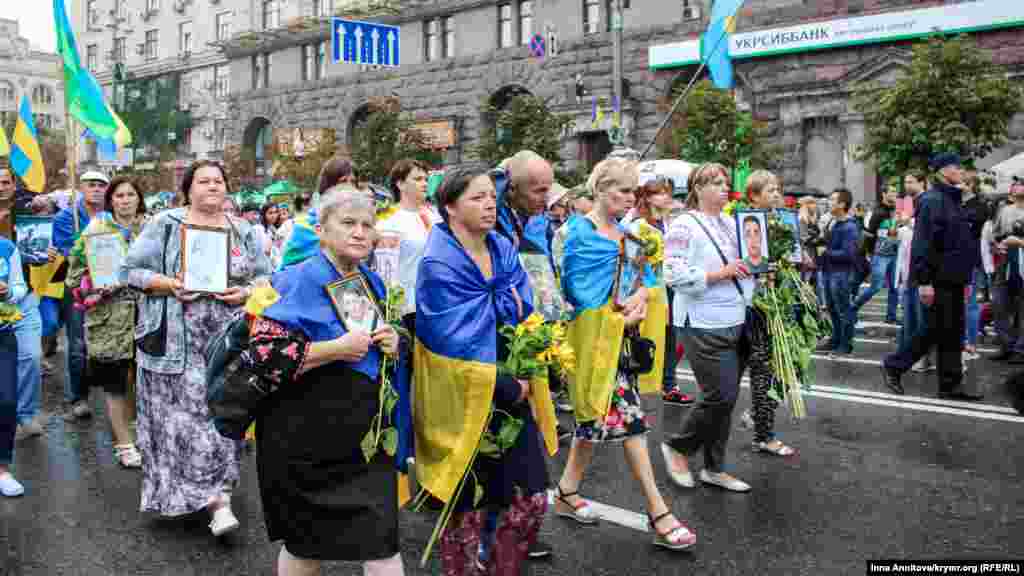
(26, 71)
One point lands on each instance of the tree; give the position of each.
(953, 98)
(710, 128)
(241, 166)
(386, 137)
(524, 123)
(303, 171)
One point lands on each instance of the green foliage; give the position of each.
(386, 137)
(150, 109)
(953, 98)
(525, 123)
(709, 128)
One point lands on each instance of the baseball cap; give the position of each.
(940, 161)
(93, 175)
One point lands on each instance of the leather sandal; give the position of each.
(678, 538)
(580, 512)
(775, 447)
(127, 455)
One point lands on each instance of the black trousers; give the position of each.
(944, 331)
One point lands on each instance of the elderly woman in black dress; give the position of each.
(320, 495)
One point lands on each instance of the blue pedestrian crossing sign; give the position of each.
(364, 42)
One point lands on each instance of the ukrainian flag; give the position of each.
(653, 325)
(714, 49)
(455, 362)
(5, 148)
(589, 268)
(303, 242)
(26, 158)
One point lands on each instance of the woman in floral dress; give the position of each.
(187, 466)
(604, 394)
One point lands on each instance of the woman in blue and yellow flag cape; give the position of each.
(605, 395)
(471, 283)
(328, 493)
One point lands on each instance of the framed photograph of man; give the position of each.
(752, 226)
(791, 219)
(630, 270)
(34, 235)
(354, 304)
(205, 257)
(104, 255)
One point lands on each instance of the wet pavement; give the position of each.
(875, 476)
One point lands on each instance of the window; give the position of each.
(260, 71)
(153, 5)
(151, 94)
(609, 9)
(152, 44)
(323, 7)
(120, 50)
(448, 28)
(430, 41)
(121, 9)
(92, 14)
(525, 21)
(42, 95)
(223, 26)
(185, 38)
(271, 14)
(505, 37)
(218, 133)
(221, 86)
(309, 62)
(6, 92)
(591, 16)
(91, 57)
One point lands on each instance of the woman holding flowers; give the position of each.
(110, 313)
(477, 446)
(763, 190)
(13, 292)
(604, 392)
(322, 496)
(712, 290)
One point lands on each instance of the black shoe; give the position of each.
(1016, 358)
(891, 378)
(538, 550)
(1001, 356)
(824, 347)
(963, 396)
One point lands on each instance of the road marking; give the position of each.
(613, 514)
(956, 407)
(882, 341)
(847, 359)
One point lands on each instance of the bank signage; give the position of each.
(970, 16)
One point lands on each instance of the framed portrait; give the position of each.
(386, 257)
(104, 255)
(752, 226)
(547, 297)
(34, 235)
(630, 270)
(354, 303)
(791, 219)
(205, 258)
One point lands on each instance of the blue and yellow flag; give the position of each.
(653, 325)
(589, 268)
(714, 48)
(458, 313)
(303, 242)
(26, 157)
(5, 148)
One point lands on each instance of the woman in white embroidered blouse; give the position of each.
(712, 289)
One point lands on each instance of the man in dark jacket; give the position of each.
(943, 255)
(837, 260)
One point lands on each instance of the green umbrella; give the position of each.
(281, 187)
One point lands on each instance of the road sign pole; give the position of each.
(617, 62)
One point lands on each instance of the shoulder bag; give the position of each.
(154, 344)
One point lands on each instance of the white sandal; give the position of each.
(128, 456)
(774, 447)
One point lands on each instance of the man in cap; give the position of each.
(92, 187)
(943, 255)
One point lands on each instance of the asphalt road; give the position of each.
(875, 476)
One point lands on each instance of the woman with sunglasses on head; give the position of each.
(712, 290)
(604, 391)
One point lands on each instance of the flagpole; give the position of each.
(679, 100)
(71, 148)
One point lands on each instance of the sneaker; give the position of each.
(28, 430)
(562, 403)
(10, 487)
(224, 521)
(922, 365)
(79, 411)
(969, 355)
(676, 397)
(538, 550)
(746, 421)
(891, 378)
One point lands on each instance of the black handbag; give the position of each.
(638, 352)
(154, 344)
(234, 393)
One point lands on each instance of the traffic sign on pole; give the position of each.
(364, 42)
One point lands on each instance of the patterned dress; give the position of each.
(186, 463)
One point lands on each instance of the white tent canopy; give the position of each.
(1006, 170)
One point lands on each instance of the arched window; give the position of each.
(42, 94)
(6, 92)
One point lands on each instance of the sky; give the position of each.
(35, 19)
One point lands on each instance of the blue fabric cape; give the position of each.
(589, 266)
(457, 310)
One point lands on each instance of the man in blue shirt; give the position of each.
(92, 187)
(841, 248)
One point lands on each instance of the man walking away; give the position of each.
(943, 255)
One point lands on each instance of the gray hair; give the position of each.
(344, 197)
(518, 164)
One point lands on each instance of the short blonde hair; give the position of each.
(759, 181)
(600, 175)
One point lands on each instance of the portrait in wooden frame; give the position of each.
(205, 258)
(104, 255)
(354, 303)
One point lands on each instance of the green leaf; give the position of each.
(389, 441)
(509, 432)
(368, 445)
(488, 447)
(478, 494)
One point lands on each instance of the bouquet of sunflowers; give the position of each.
(533, 346)
(654, 244)
(9, 314)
